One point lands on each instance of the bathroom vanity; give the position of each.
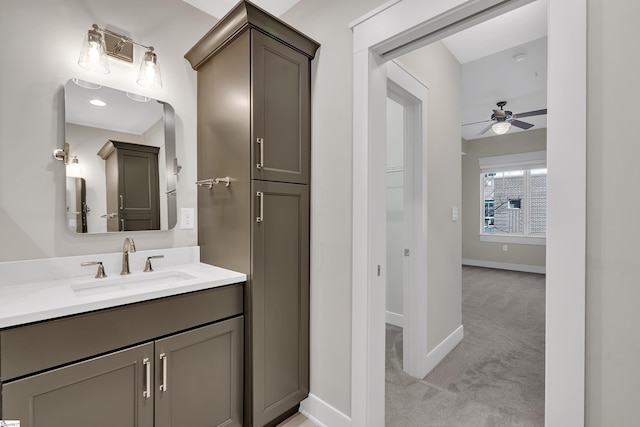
(160, 350)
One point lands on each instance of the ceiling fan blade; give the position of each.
(521, 125)
(475, 123)
(531, 113)
(485, 129)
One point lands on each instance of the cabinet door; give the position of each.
(138, 183)
(279, 294)
(103, 392)
(199, 376)
(280, 87)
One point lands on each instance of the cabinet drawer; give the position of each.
(32, 348)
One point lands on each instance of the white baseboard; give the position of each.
(436, 355)
(395, 319)
(323, 414)
(505, 266)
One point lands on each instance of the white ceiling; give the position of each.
(490, 74)
(219, 8)
(121, 114)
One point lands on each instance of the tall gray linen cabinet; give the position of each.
(254, 129)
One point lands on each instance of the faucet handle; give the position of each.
(100, 273)
(147, 266)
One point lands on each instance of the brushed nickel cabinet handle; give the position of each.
(260, 142)
(208, 183)
(121, 202)
(260, 217)
(147, 392)
(163, 384)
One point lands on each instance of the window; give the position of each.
(513, 198)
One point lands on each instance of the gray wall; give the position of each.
(472, 247)
(435, 66)
(327, 22)
(613, 291)
(46, 37)
(331, 197)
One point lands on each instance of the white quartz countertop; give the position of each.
(27, 296)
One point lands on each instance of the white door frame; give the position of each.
(400, 26)
(413, 95)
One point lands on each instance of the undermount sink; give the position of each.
(123, 283)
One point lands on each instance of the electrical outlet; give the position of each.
(505, 248)
(187, 220)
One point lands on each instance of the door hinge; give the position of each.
(406, 252)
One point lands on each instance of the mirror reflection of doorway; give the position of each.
(133, 200)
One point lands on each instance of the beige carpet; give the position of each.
(495, 376)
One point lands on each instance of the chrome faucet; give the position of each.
(128, 246)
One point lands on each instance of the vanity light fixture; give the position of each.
(73, 169)
(101, 42)
(62, 154)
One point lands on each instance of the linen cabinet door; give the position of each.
(199, 376)
(279, 299)
(281, 132)
(112, 390)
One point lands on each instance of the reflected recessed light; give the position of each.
(97, 103)
(85, 84)
(519, 57)
(139, 98)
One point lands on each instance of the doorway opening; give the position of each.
(412, 23)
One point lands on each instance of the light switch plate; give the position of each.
(454, 214)
(187, 220)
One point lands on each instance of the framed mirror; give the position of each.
(121, 163)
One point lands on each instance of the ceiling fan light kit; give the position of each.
(504, 119)
(501, 128)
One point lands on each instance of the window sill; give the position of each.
(521, 240)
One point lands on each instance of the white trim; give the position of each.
(518, 240)
(401, 25)
(505, 266)
(394, 319)
(373, 13)
(317, 409)
(413, 95)
(436, 355)
(513, 161)
(566, 218)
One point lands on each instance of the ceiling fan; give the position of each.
(504, 119)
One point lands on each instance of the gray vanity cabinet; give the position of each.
(280, 299)
(280, 82)
(254, 127)
(102, 392)
(182, 365)
(199, 377)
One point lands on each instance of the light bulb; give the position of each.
(501, 128)
(149, 75)
(93, 56)
(73, 169)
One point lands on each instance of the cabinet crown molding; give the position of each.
(244, 16)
